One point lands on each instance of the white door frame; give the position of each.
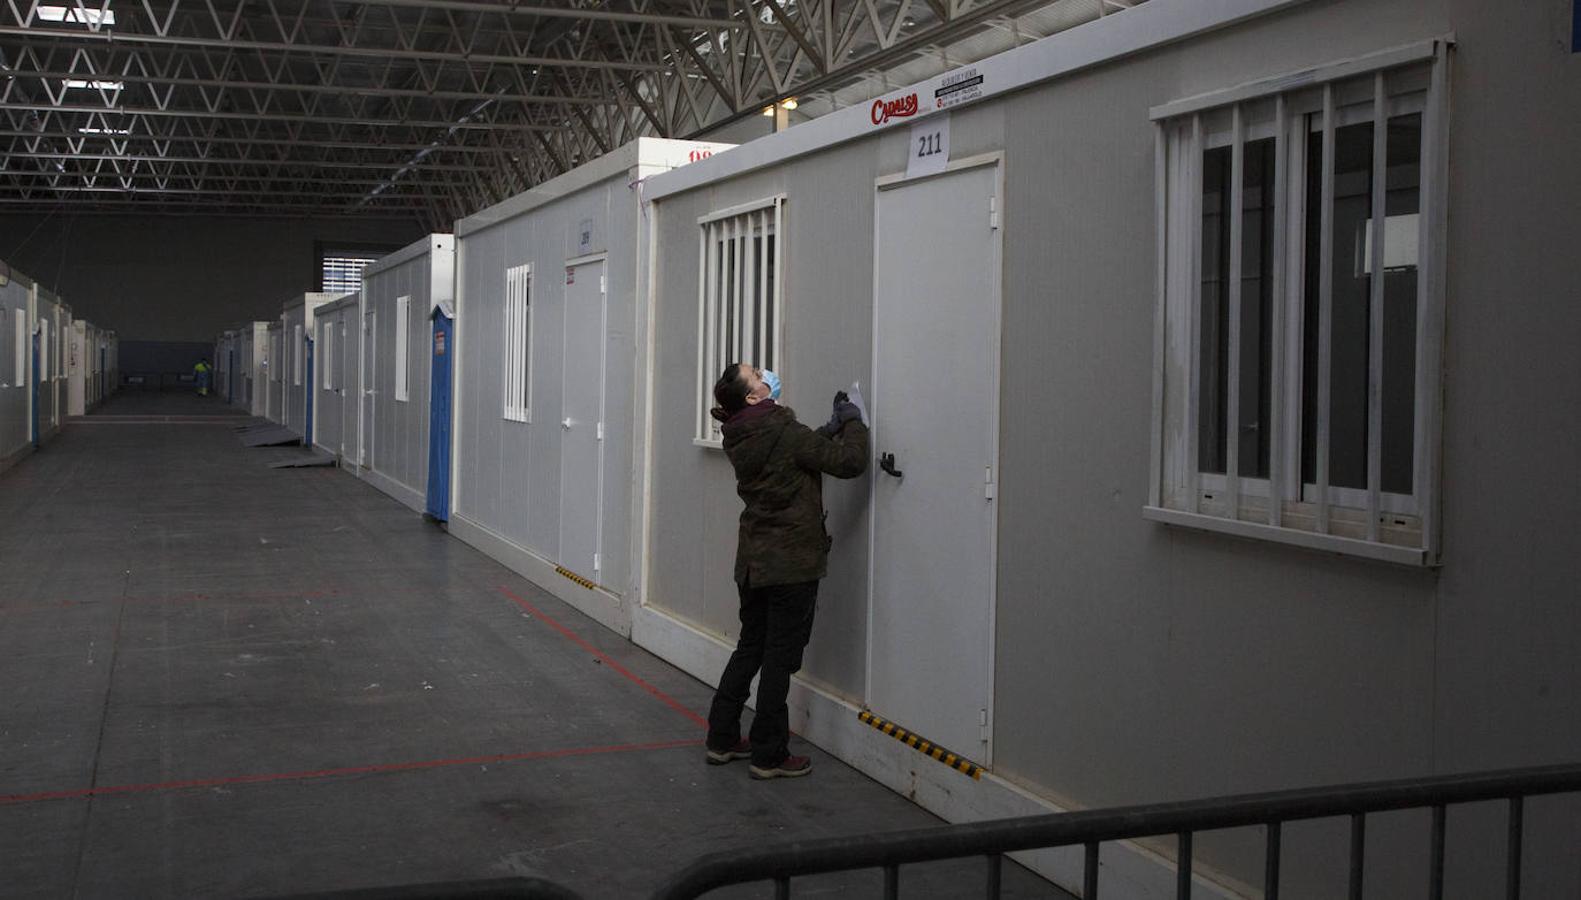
(602, 259)
(890, 182)
(368, 402)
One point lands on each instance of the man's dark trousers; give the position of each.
(776, 623)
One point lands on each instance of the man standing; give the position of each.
(781, 553)
(200, 374)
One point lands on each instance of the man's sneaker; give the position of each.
(791, 767)
(741, 749)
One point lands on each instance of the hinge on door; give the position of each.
(601, 431)
(982, 725)
(603, 284)
(993, 212)
(595, 562)
(988, 482)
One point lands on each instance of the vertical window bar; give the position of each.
(711, 333)
(993, 888)
(1193, 408)
(1276, 387)
(743, 283)
(764, 265)
(1435, 863)
(1429, 291)
(1375, 284)
(891, 882)
(749, 295)
(704, 383)
(1358, 854)
(1155, 487)
(1325, 307)
(1089, 872)
(505, 333)
(1232, 417)
(1512, 858)
(779, 278)
(1271, 862)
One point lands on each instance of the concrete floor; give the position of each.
(222, 679)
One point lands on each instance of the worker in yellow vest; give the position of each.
(200, 374)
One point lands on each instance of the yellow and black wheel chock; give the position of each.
(584, 582)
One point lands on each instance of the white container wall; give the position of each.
(275, 372)
(400, 293)
(1066, 584)
(77, 369)
(546, 307)
(252, 348)
(338, 380)
(52, 323)
(16, 378)
(297, 324)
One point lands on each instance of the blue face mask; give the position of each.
(773, 381)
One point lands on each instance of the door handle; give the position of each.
(566, 424)
(886, 461)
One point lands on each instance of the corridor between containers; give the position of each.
(228, 679)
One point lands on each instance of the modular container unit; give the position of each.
(274, 373)
(1152, 317)
(403, 292)
(52, 320)
(77, 381)
(338, 381)
(297, 323)
(546, 305)
(252, 349)
(16, 362)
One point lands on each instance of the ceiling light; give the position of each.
(77, 16)
(788, 103)
(94, 85)
(768, 110)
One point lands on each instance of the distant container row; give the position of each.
(1224, 391)
(51, 365)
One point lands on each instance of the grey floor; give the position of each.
(222, 679)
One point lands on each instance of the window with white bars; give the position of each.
(298, 355)
(341, 273)
(1301, 305)
(20, 347)
(739, 310)
(403, 348)
(327, 355)
(517, 332)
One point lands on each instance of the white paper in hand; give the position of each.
(855, 394)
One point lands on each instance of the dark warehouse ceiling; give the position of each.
(414, 108)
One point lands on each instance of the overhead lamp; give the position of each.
(94, 85)
(76, 15)
(789, 103)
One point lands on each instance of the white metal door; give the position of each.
(370, 369)
(935, 408)
(582, 405)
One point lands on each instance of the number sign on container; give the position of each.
(930, 146)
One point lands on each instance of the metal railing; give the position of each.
(1090, 829)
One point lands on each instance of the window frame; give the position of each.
(714, 230)
(327, 354)
(403, 349)
(20, 351)
(516, 334)
(1367, 522)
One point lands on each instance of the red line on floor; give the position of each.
(603, 657)
(341, 772)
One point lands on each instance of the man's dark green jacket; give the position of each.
(779, 465)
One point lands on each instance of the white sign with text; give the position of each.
(930, 146)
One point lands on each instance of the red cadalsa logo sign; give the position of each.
(884, 110)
